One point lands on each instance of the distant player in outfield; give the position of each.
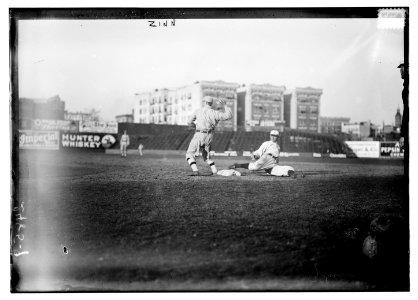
(205, 120)
(267, 158)
(140, 148)
(124, 143)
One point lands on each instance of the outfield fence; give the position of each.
(229, 143)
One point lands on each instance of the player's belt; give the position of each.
(204, 131)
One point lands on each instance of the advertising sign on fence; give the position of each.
(46, 140)
(87, 140)
(391, 149)
(99, 127)
(364, 148)
(63, 125)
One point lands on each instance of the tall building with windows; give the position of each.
(254, 106)
(260, 106)
(185, 100)
(142, 107)
(302, 109)
(159, 106)
(175, 106)
(152, 107)
(223, 90)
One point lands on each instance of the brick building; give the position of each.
(302, 109)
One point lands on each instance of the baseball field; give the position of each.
(99, 222)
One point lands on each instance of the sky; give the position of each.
(101, 64)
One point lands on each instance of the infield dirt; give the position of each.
(143, 224)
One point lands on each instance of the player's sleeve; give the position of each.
(223, 115)
(127, 140)
(259, 151)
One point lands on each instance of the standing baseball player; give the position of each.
(205, 119)
(124, 143)
(267, 158)
(140, 148)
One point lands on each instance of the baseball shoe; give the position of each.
(291, 173)
(195, 173)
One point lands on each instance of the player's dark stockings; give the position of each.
(244, 166)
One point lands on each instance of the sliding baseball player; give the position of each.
(267, 158)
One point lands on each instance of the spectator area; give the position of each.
(174, 137)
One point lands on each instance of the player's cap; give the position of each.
(208, 99)
(274, 132)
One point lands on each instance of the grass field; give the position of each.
(143, 224)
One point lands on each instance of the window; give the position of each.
(209, 93)
(230, 95)
(302, 109)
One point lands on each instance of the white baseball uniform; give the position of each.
(140, 147)
(124, 143)
(268, 154)
(281, 170)
(229, 173)
(206, 119)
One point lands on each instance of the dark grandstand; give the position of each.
(175, 137)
